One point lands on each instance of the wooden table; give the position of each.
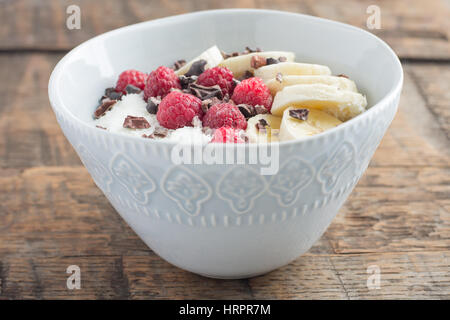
(52, 215)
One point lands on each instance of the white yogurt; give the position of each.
(135, 105)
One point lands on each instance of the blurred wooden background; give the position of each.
(52, 215)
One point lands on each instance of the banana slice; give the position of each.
(317, 122)
(291, 68)
(213, 57)
(339, 82)
(238, 65)
(342, 104)
(268, 134)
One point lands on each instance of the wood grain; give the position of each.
(30, 135)
(415, 29)
(433, 82)
(420, 275)
(52, 215)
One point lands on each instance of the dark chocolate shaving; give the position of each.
(271, 61)
(196, 68)
(106, 105)
(235, 54)
(186, 81)
(262, 125)
(343, 76)
(178, 64)
(203, 92)
(247, 74)
(136, 123)
(115, 95)
(208, 103)
(159, 132)
(112, 94)
(100, 127)
(300, 114)
(132, 89)
(229, 55)
(153, 104)
(249, 111)
(257, 62)
(109, 90)
(249, 50)
(279, 77)
(261, 109)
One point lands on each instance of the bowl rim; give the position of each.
(58, 105)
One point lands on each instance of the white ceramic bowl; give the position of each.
(271, 220)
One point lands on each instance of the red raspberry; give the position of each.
(218, 75)
(253, 91)
(133, 77)
(177, 110)
(227, 135)
(160, 82)
(224, 115)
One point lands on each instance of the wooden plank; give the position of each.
(433, 82)
(110, 277)
(415, 136)
(395, 209)
(30, 135)
(37, 221)
(415, 29)
(45, 278)
(420, 275)
(168, 282)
